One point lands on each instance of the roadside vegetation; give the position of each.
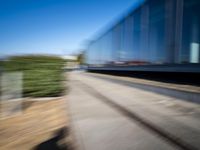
(42, 75)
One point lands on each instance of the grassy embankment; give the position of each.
(42, 75)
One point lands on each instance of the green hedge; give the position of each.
(42, 75)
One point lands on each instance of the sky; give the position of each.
(54, 26)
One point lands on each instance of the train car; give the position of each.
(156, 35)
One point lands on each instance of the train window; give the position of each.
(144, 39)
(117, 41)
(136, 34)
(157, 31)
(127, 46)
(105, 47)
(93, 54)
(190, 32)
(108, 48)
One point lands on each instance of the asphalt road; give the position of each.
(112, 116)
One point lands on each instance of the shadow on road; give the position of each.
(58, 142)
(27, 104)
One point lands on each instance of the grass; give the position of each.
(42, 75)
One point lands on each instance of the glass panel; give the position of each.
(88, 55)
(136, 35)
(108, 48)
(157, 32)
(117, 42)
(144, 39)
(191, 32)
(94, 54)
(127, 47)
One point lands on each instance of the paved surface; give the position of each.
(112, 116)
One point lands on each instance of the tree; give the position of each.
(81, 58)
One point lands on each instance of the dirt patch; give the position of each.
(40, 122)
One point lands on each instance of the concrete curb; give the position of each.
(175, 93)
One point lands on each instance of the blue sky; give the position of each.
(54, 26)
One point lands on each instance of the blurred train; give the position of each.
(155, 35)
